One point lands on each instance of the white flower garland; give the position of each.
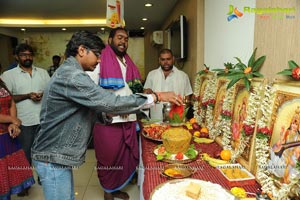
(212, 90)
(262, 152)
(197, 104)
(225, 123)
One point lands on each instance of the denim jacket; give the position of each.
(70, 103)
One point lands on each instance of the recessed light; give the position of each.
(142, 28)
(63, 29)
(144, 19)
(148, 4)
(23, 29)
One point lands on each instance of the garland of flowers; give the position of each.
(225, 118)
(211, 101)
(197, 87)
(262, 151)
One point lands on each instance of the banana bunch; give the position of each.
(203, 140)
(214, 162)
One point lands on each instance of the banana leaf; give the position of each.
(292, 64)
(258, 63)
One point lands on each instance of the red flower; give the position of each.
(296, 73)
(176, 109)
(211, 102)
(265, 130)
(248, 129)
(204, 104)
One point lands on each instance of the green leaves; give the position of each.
(246, 72)
(292, 64)
(288, 72)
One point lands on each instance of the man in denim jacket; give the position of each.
(69, 107)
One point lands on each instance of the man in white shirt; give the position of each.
(167, 78)
(26, 83)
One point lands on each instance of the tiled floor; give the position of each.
(86, 184)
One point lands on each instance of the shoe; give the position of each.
(23, 193)
(117, 194)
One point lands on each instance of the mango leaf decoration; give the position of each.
(293, 70)
(227, 66)
(204, 71)
(246, 72)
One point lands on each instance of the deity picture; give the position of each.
(239, 115)
(285, 141)
(221, 93)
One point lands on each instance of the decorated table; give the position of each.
(202, 170)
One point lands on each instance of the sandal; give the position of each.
(117, 194)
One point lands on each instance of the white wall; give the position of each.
(225, 40)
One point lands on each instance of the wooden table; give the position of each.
(152, 169)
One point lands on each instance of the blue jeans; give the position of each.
(57, 180)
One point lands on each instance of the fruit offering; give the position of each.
(225, 154)
(214, 162)
(238, 192)
(203, 140)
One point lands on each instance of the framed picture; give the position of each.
(240, 112)
(220, 97)
(285, 126)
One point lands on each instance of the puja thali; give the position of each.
(171, 158)
(154, 131)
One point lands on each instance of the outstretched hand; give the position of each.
(170, 97)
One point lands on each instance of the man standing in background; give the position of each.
(26, 83)
(167, 78)
(56, 61)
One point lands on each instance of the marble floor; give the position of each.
(86, 184)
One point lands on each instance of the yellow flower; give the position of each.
(247, 70)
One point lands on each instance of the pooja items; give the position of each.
(236, 175)
(176, 140)
(187, 189)
(177, 171)
(154, 131)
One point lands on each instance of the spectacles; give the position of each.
(95, 51)
(25, 55)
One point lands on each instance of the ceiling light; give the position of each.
(51, 23)
(142, 28)
(102, 29)
(148, 5)
(63, 29)
(23, 29)
(144, 19)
